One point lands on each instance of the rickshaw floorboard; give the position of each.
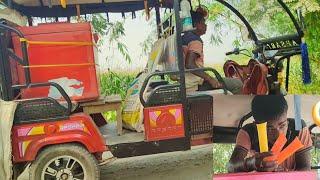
(111, 137)
(132, 143)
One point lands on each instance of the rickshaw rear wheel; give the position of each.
(65, 161)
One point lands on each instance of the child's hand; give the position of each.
(215, 83)
(265, 165)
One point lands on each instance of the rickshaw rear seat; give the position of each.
(38, 110)
(155, 84)
(164, 95)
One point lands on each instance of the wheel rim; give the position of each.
(63, 168)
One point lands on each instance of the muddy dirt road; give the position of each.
(189, 165)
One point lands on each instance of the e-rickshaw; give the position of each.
(58, 141)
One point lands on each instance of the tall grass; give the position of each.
(115, 83)
(221, 156)
(296, 85)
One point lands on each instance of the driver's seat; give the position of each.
(234, 70)
(253, 76)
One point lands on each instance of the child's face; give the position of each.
(276, 126)
(202, 27)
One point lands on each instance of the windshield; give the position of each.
(267, 17)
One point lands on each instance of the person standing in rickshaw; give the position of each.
(194, 58)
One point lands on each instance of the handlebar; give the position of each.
(145, 83)
(230, 53)
(237, 51)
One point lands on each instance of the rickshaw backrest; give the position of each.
(164, 95)
(38, 110)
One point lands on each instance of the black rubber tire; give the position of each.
(89, 162)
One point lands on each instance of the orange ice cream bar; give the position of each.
(277, 147)
(279, 144)
(290, 150)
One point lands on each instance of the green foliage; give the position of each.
(114, 31)
(146, 44)
(313, 34)
(296, 85)
(221, 156)
(100, 24)
(115, 83)
(315, 154)
(308, 6)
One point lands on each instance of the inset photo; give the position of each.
(276, 136)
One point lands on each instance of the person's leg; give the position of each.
(205, 86)
(233, 85)
(98, 119)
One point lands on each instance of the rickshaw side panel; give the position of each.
(29, 139)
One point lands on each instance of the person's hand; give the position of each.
(214, 83)
(262, 164)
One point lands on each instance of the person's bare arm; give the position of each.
(303, 160)
(191, 64)
(239, 163)
(237, 160)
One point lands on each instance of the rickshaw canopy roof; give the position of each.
(53, 8)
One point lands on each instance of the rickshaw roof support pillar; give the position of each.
(41, 3)
(158, 18)
(287, 73)
(296, 24)
(30, 21)
(176, 7)
(9, 3)
(5, 73)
